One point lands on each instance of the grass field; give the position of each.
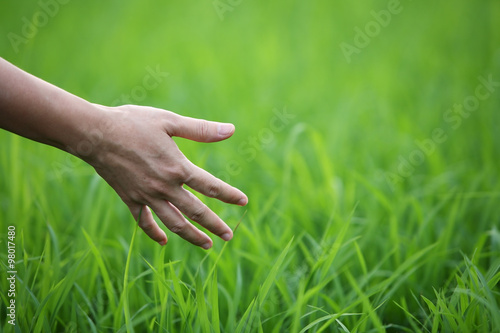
(367, 140)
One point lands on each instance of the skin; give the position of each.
(130, 147)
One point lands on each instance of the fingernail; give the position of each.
(225, 129)
(243, 202)
(227, 236)
(206, 246)
(163, 242)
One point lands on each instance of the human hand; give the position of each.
(134, 152)
(139, 159)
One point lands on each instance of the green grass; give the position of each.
(327, 243)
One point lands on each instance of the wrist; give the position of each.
(87, 133)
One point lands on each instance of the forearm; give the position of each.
(40, 111)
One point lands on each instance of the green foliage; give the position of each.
(362, 218)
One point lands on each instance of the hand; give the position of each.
(139, 159)
(134, 152)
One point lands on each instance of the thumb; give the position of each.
(200, 130)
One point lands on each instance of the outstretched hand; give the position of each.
(135, 152)
(139, 159)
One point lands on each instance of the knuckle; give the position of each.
(146, 225)
(132, 198)
(214, 189)
(198, 214)
(170, 121)
(204, 128)
(125, 107)
(178, 228)
(157, 188)
(178, 172)
(129, 201)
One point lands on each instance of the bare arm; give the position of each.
(131, 147)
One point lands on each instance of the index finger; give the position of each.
(211, 186)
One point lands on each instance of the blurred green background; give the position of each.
(355, 175)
